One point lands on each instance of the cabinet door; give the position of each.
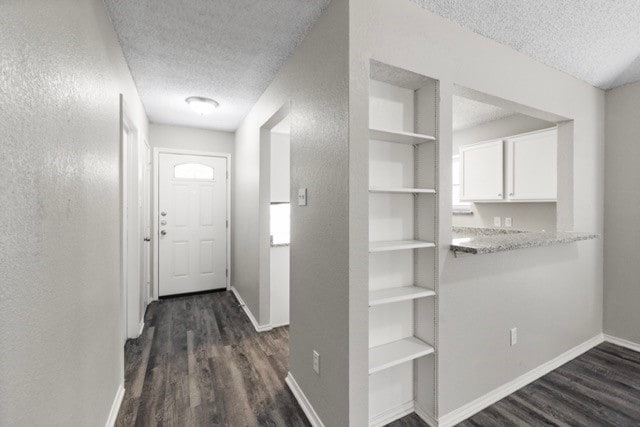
(532, 166)
(481, 171)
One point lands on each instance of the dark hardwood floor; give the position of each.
(599, 388)
(200, 362)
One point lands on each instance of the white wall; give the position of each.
(622, 203)
(552, 294)
(186, 138)
(280, 165)
(315, 83)
(60, 312)
(525, 216)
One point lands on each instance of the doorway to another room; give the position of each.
(279, 219)
(192, 222)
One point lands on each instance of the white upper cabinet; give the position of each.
(522, 168)
(532, 166)
(481, 171)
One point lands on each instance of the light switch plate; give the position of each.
(514, 336)
(496, 221)
(302, 197)
(507, 222)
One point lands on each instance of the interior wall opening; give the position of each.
(511, 166)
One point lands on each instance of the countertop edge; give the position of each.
(533, 243)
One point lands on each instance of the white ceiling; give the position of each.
(597, 41)
(228, 50)
(468, 113)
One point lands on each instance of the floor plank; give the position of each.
(199, 362)
(599, 388)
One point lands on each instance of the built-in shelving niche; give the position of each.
(403, 138)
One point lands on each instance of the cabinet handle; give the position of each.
(499, 194)
(511, 194)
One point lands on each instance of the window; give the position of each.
(458, 206)
(280, 223)
(193, 171)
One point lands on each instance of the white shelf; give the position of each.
(399, 136)
(398, 245)
(397, 352)
(403, 293)
(402, 190)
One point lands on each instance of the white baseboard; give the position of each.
(471, 408)
(258, 327)
(390, 415)
(279, 325)
(306, 406)
(425, 416)
(115, 406)
(622, 342)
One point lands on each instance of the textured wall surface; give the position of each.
(226, 50)
(621, 225)
(60, 321)
(553, 294)
(315, 81)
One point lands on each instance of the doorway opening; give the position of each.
(274, 207)
(280, 222)
(191, 221)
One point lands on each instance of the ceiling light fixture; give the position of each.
(202, 105)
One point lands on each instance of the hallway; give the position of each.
(199, 361)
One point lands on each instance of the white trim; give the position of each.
(458, 415)
(279, 325)
(141, 328)
(258, 327)
(306, 406)
(392, 414)
(155, 274)
(115, 406)
(622, 342)
(425, 416)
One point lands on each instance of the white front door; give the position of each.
(192, 221)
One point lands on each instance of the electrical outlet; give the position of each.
(496, 221)
(514, 336)
(316, 362)
(507, 222)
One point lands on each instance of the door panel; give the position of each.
(532, 166)
(481, 171)
(192, 197)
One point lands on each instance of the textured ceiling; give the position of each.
(228, 50)
(468, 113)
(597, 41)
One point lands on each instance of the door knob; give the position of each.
(163, 213)
(163, 232)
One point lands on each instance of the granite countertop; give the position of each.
(489, 240)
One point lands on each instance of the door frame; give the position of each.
(126, 146)
(156, 209)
